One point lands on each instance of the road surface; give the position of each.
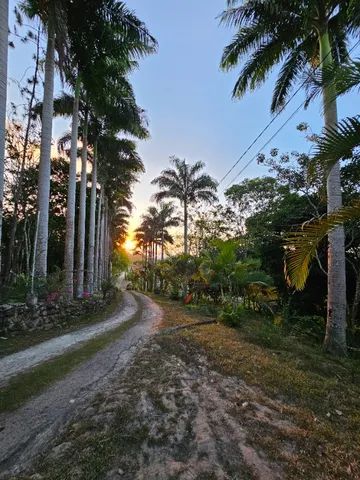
(20, 361)
(25, 432)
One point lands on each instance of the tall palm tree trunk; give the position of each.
(106, 241)
(71, 199)
(45, 156)
(162, 244)
(335, 338)
(354, 320)
(185, 227)
(91, 245)
(19, 188)
(4, 19)
(101, 244)
(82, 216)
(97, 243)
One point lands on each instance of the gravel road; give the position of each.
(29, 358)
(25, 432)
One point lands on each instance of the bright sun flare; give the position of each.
(129, 245)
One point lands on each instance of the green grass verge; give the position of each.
(24, 386)
(321, 393)
(25, 340)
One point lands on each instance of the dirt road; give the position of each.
(29, 358)
(27, 431)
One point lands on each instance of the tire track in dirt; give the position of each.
(27, 431)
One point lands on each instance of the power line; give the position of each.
(265, 144)
(273, 120)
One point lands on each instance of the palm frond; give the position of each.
(338, 142)
(301, 246)
(289, 73)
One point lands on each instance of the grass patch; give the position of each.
(25, 340)
(313, 386)
(26, 385)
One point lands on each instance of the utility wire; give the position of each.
(272, 121)
(265, 145)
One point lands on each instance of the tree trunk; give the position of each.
(162, 245)
(102, 244)
(356, 302)
(91, 244)
(18, 193)
(97, 243)
(335, 338)
(82, 216)
(71, 199)
(185, 227)
(43, 195)
(4, 28)
(106, 241)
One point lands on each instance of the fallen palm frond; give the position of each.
(301, 246)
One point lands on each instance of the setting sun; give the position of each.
(129, 245)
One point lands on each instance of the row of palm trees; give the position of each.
(300, 35)
(152, 236)
(95, 45)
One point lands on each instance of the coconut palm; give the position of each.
(297, 34)
(4, 15)
(187, 184)
(52, 14)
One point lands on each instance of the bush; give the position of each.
(108, 288)
(174, 294)
(233, 314)
(310, 326)
(207, 309)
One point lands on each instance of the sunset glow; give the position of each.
(129, 245)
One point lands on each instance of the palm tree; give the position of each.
(113, 38)
(118, 168)
(4, 16)
(339, 141)
(167, 219)
(82, 210)
(52, 14)
(187, 184)
(71, 197)
(296, 34)
(301, 247)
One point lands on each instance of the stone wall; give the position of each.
(18, 317)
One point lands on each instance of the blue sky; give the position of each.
(188, 99)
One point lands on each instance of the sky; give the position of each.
(188, 98)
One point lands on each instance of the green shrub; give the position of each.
(310, 326)
(16, 291)
(108, 288)
(174, 294)
(207, 309)
(233, 314)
